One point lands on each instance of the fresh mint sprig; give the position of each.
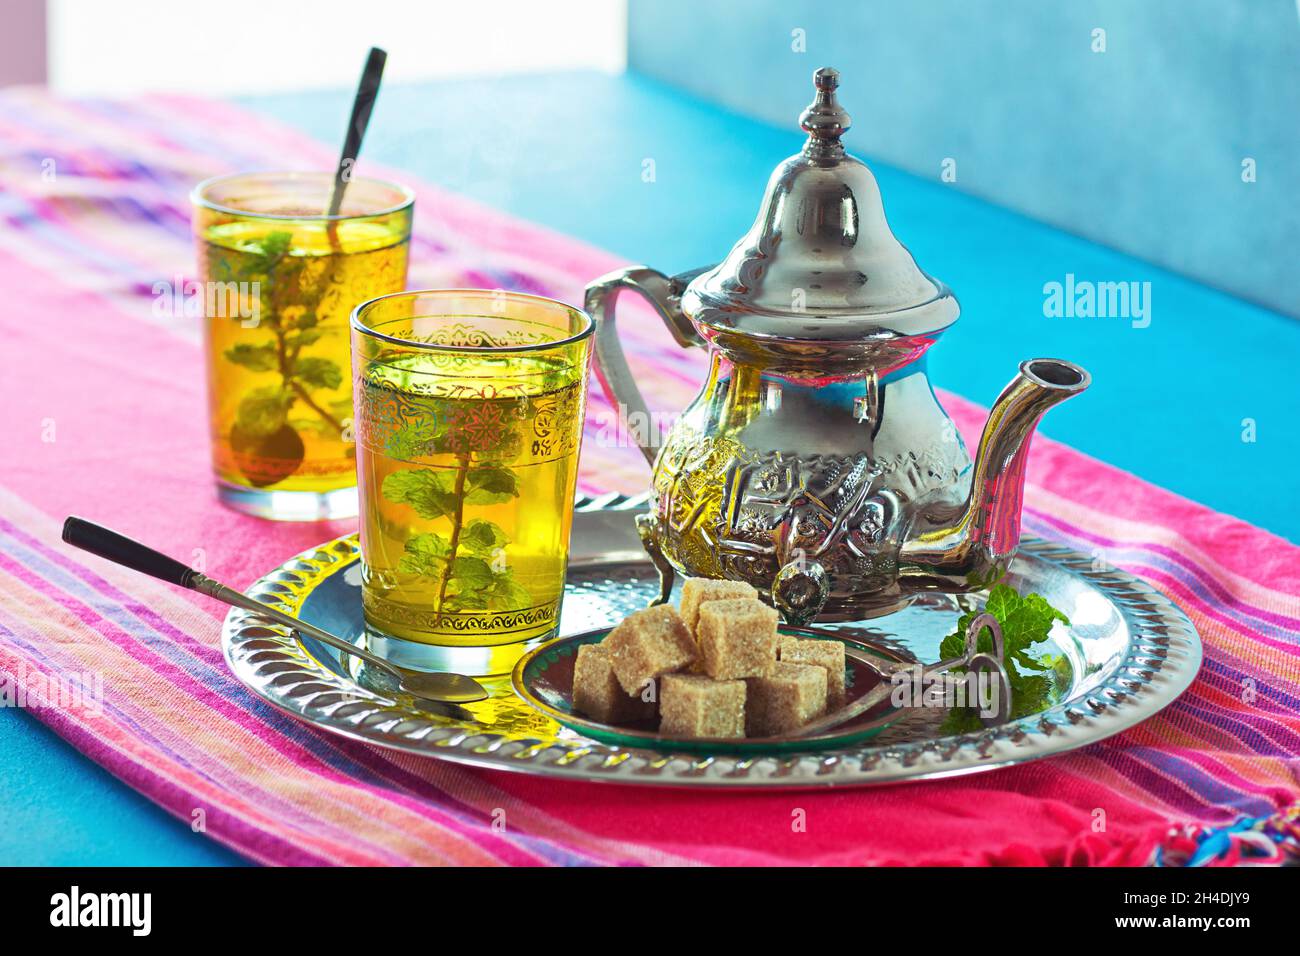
(1036, 675)
(262, 416)
(468, 562)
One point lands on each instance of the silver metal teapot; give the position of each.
(816, 462)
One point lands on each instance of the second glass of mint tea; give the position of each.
(469, 410)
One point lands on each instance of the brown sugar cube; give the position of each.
(597, 692)
(737, 638)
(691, 705)
(827, 654)
(697, 591)
(785, 699)
(648, 644)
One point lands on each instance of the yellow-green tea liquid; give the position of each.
(467, 466)
(279, 373)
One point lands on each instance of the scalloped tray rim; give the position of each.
(1161, 661)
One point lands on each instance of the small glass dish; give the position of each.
(543, 679)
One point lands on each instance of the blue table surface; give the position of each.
(1168, 401)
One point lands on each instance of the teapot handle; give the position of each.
(612, 370)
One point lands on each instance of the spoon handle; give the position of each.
(362, 104)
(120, 549)
(129, 553)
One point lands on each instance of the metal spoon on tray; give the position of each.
(439, 687)
(972, 658)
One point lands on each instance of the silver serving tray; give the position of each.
(1131, 650)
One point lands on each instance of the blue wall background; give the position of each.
(1140, 147)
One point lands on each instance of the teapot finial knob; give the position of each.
(825, 120)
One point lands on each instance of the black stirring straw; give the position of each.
(362, 105)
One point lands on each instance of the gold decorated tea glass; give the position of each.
(279, 279)
(469, 409)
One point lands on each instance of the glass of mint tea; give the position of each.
(469, 409)
(279, 279)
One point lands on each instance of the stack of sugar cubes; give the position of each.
(717, 669)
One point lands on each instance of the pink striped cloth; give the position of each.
(104, 416)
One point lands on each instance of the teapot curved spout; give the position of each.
(969, 548)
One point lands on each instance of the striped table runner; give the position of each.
(104, 415)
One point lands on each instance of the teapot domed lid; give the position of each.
(820, 262)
